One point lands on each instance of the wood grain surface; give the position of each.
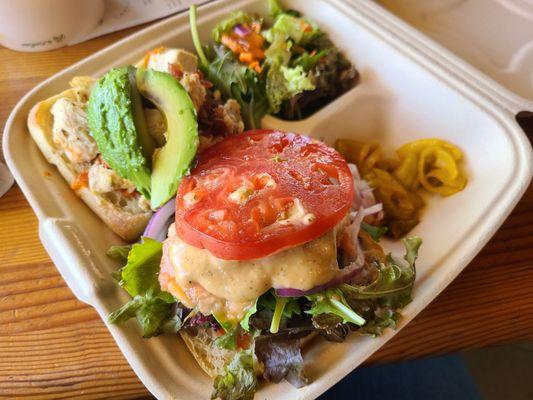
(53, 346)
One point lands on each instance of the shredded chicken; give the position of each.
(193, 85)
(104, 180)
(70, 131)
(231, 115)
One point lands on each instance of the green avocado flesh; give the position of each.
(116, 122)
(172, 161)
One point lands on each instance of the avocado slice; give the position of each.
(116, 122)
(172, 161)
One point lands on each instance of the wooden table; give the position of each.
(53, 346)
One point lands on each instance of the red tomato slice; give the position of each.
(261, 192)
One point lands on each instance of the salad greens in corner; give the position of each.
(285, 66)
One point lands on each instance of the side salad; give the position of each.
(283, 65)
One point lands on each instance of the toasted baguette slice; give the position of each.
(213, 359)
(210, 358)
(125, 224)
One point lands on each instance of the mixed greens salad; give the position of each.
(284, 65)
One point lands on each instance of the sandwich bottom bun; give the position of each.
(211, 358)
(129, 226)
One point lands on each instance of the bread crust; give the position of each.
(127, 225)
(211, 358)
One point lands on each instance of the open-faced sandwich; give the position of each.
(248, 244)
(125, 170)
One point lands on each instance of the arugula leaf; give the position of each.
(375, 232)
(226, 25)
(281, 358)
(237, 81)
(383, 318)
(395, 279)
(153, 313)
(153, 308)
(119, 252)
(390, 291)
(332, 301)
(238, 382)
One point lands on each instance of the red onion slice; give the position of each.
(346, 275)
(157, 227)
(241, 30)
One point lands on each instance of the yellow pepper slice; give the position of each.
(397, 201)
(407, 171)
(418, 145)
(438, 171)
(364, 155)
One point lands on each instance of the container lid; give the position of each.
(495, 36)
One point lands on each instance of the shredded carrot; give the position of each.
(147, 56)
(246, 57)
(256, 66)
(81, 181)
(249, 48)
(231, 43)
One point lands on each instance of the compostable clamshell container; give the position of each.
(410, 88)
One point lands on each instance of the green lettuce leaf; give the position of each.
(290, 27)
(142, 268)
(153, 308)
(226, 25)
(274, 8)
(119, 252)
(296, 80)
(284, 83)
(238, 382)
(332, 301)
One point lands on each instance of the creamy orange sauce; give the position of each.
(227, 287)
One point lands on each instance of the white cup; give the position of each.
(38, 25)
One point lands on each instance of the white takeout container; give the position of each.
(495, 36)
(411, 88)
